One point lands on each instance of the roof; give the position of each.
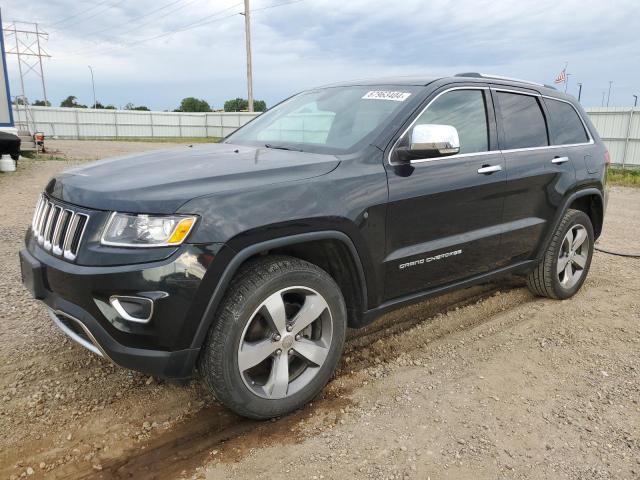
(419, 80)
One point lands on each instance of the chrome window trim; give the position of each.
(421, 160)
(536, 94)
(488, 152)
(520, 92)
(459, 155)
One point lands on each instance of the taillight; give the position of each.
(607, 158)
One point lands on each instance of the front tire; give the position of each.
(277, 339)
(565, 264)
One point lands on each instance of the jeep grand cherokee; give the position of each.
(247, 260)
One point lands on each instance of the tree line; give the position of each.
(188, 104)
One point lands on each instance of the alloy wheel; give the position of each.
(285, 342)
(573, 256)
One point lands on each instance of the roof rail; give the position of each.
(500, 77)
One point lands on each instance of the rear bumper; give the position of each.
(78, 301)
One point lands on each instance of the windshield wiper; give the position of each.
(280, 147)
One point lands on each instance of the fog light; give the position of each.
(133, 309)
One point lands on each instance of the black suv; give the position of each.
(247, 260)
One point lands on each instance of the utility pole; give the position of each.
(609, 94)
(247, 34)
(579, 91)
(635, 103)
(93, 86)
(28, 48)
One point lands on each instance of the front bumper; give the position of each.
(77, 298)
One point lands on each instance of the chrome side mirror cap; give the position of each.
(433, 140)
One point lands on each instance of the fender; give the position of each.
(560, 213)
(244, 254)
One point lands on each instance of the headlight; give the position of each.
(129, 230)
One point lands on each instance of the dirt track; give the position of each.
(489, 382)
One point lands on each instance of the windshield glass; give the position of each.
(331, 120)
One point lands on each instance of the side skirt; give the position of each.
(371, 315)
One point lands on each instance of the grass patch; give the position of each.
(624, 177)
(158, 139)
(41, 156)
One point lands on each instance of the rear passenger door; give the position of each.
(570, 137)
(538, 174)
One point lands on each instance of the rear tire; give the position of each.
(277, 339)
(566, 262)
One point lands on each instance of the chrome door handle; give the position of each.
(489, 169)
(559, 160)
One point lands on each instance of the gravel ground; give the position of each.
(489, 382)
(96, 149)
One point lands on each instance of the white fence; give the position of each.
(78, 123)
(620, 131)
(618, 127)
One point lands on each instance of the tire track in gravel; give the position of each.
(189, 444)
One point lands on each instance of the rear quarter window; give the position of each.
(566, 126)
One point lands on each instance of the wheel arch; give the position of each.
(330, 250)
(592, 205)
(590, 201)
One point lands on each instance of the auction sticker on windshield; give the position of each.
(386, 95)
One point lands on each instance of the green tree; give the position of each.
(42, 103)
(192, 104)
(70, 102)
(242, 105)
(131, 106)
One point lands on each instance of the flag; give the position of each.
(562, 76)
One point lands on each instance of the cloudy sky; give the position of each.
(155, 52)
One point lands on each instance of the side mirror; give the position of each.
(435, 140)
(429, 141)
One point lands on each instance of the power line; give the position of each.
(99, 12)
(207, 20)
(203, 21)
(152, 12)
(144, 24)
(136, 27)
(62, 20)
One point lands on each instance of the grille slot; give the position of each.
(58, 229)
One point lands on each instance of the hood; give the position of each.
(160, 181)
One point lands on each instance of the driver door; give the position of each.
(445, 213)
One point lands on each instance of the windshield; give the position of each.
(332, 120)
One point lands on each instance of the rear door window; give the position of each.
(566, 126)
(523, 122)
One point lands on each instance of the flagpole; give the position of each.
(566, 76)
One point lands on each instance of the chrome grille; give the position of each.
(58, 229)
